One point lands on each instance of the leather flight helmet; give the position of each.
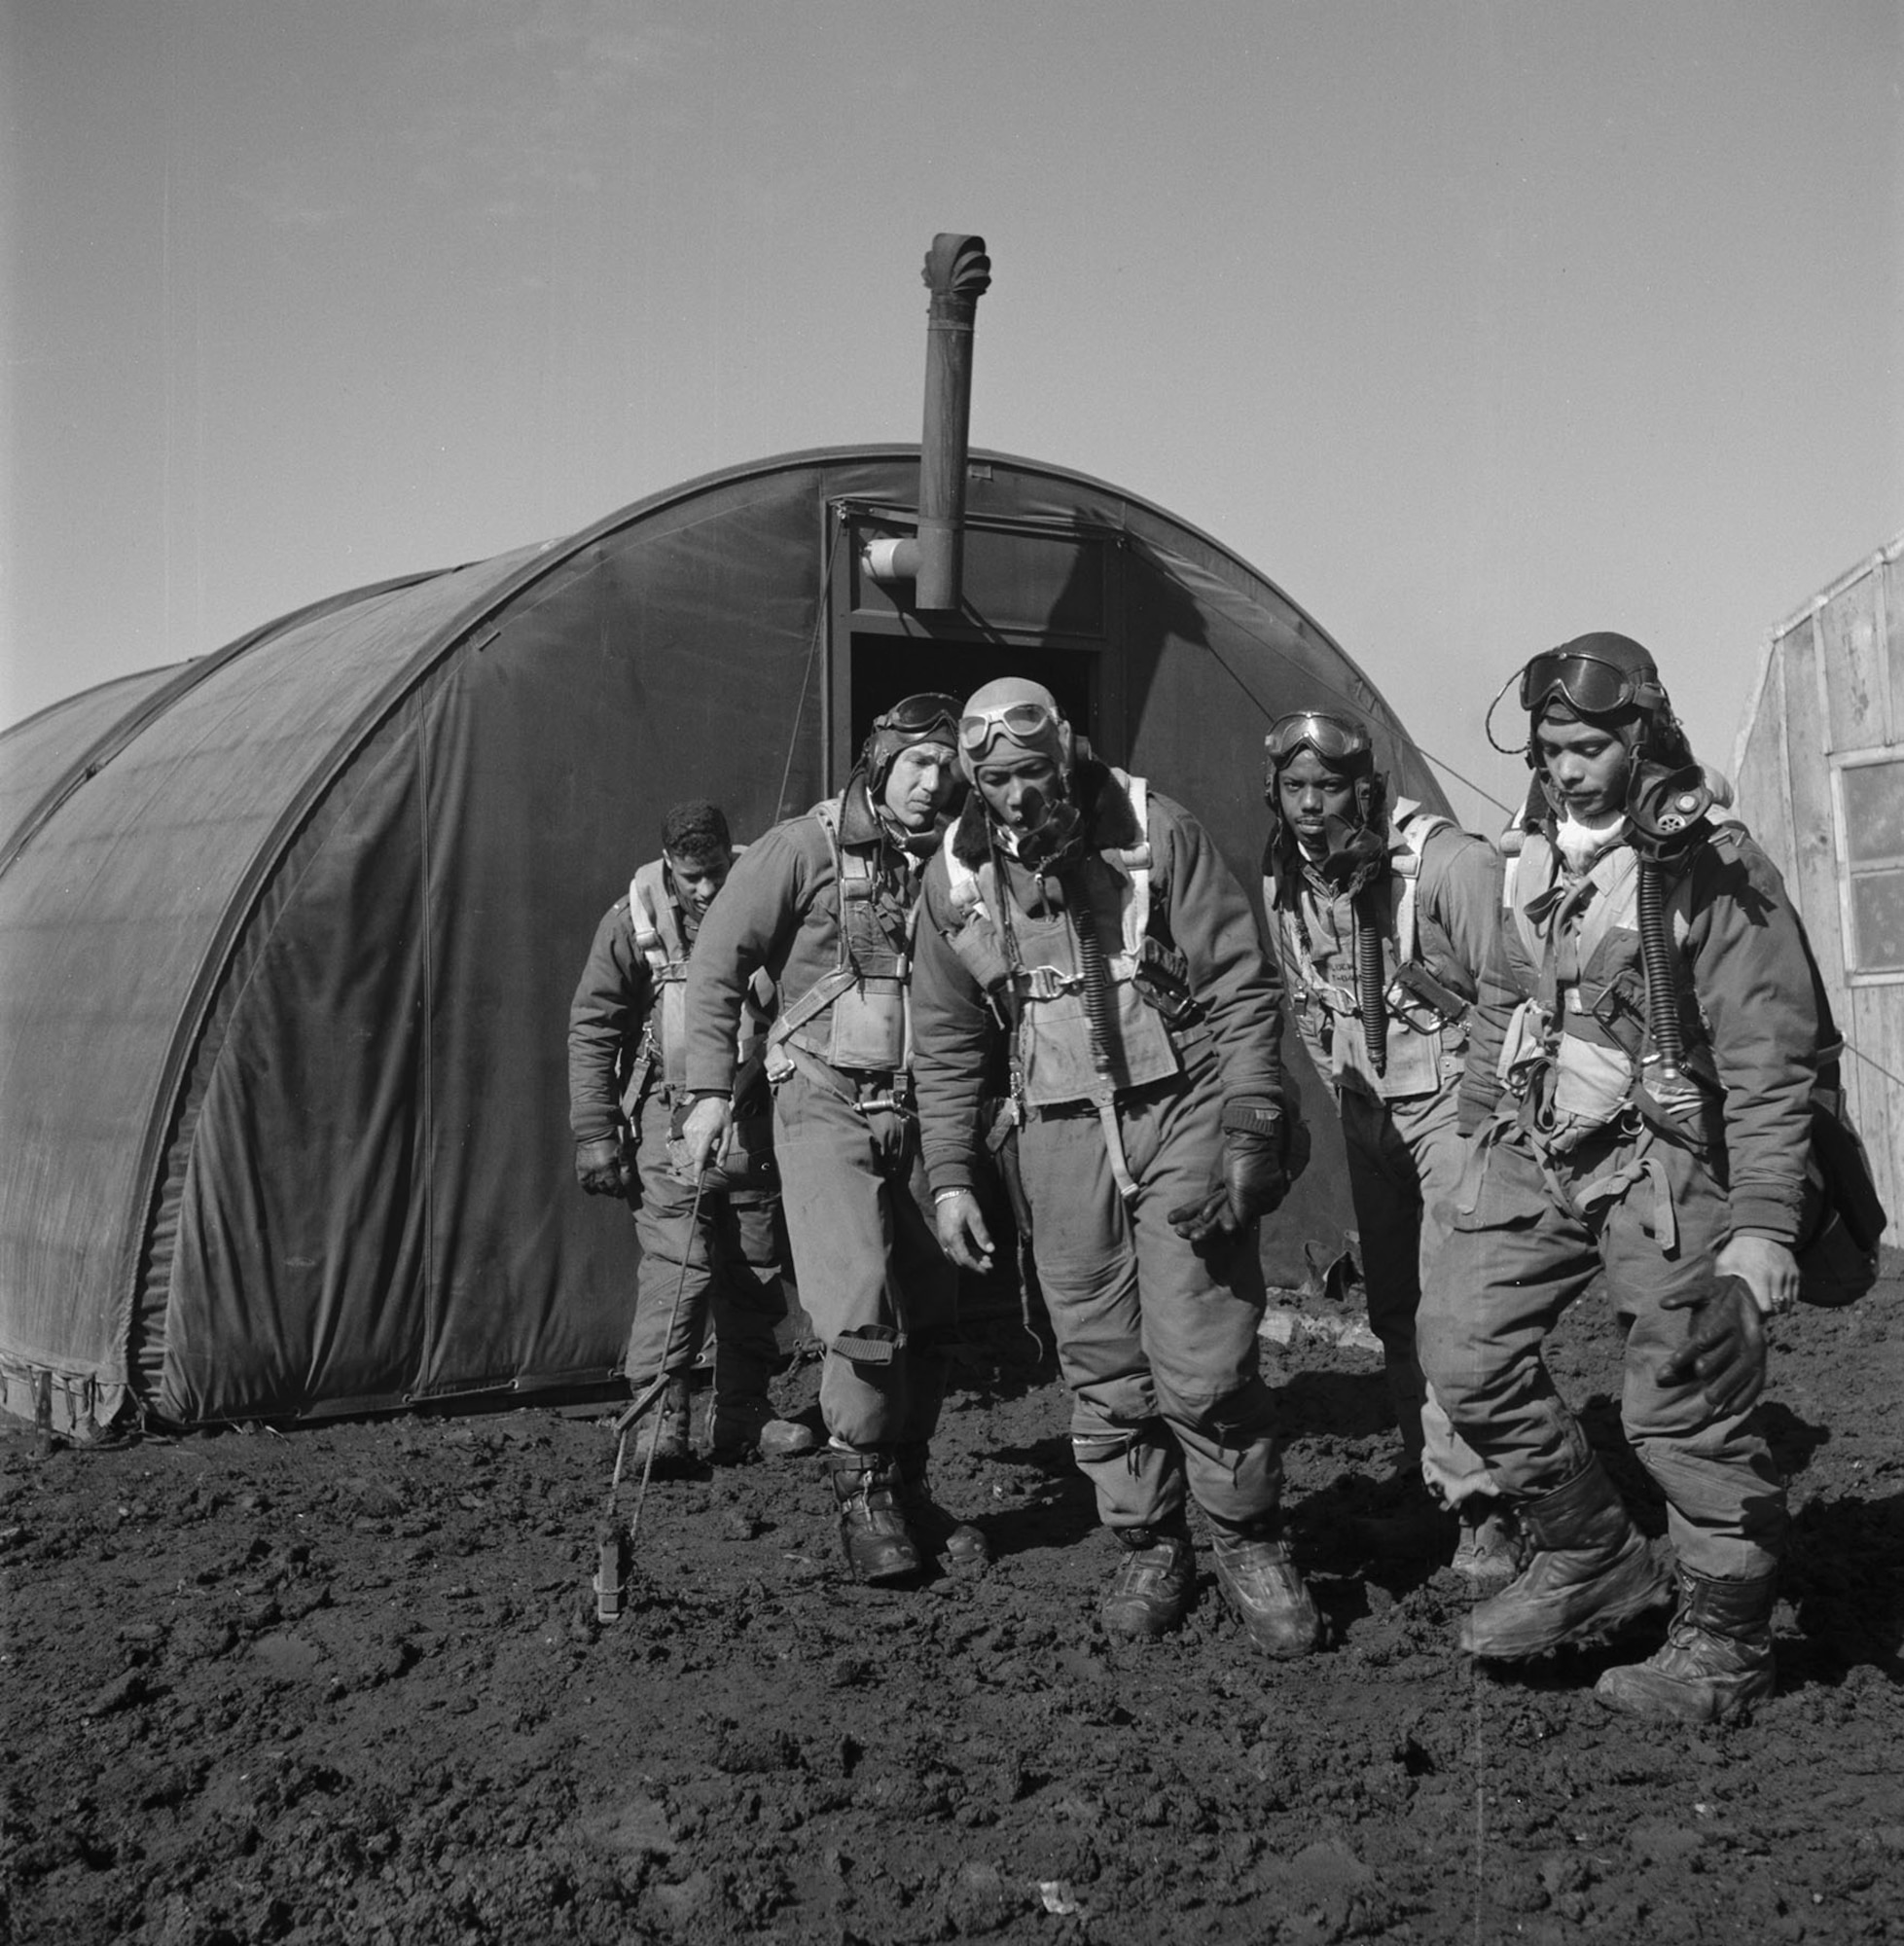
(929, 717)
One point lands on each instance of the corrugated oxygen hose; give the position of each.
(1098, 1012)
(1656, 959)
(1370, 987)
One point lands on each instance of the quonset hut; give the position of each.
(288, 933)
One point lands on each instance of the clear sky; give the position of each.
(1473, 325)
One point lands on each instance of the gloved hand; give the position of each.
(1726, 1350)
(1296, 1143)
(1252, 1179)
(600, 1168)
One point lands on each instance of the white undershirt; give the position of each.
(1580, 843)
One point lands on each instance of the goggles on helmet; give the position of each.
(916, 717)
(1022, 722)
(1333, 740)
(1591, 686)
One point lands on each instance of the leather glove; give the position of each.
(1252, 1179)
(1726, 1350)
(600, 1168)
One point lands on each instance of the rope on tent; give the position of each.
(1852, 1047)
(1315, 681)
(807, 677)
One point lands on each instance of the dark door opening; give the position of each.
(888, 668)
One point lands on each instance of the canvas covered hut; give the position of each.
(1819, 775)
(288, 933)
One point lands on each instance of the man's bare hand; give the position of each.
(704, 1132)
(1766, 1265)
(963, 1232)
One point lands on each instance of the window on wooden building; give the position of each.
(1872, 797)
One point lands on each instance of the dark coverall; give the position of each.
(1404, 1129)
(1587, 1170)
(846, 1140)
(1157, 1340)
(618, 1079)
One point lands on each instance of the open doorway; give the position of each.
(886, 668)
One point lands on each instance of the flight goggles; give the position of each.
(1589, 686)
(918, 718)
(1028, 723)
(1332, 737)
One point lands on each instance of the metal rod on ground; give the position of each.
(613, 1548)
(647, 1398)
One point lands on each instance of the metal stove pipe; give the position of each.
(957, 273)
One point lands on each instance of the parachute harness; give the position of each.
(1072, 898)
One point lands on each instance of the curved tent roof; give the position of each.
(288, 933)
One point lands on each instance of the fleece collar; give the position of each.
(859, 823)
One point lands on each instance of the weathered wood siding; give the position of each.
(1831, 688)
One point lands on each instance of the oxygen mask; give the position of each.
(1052, 834)
(1667, 804)
(1353, 852)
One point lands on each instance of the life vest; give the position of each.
(1043, 974)
(1581, 1037)
(857, 1017)
(660, 932)
(1587, 1024)
(1328, 1011)
(661, 938)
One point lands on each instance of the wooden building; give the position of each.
(1820, 772)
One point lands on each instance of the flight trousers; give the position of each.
(725, 1265)
(1528, 1234)
(1406, 1159)
(1157, 1339)
(865, 1252)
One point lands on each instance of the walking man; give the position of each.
(824, 903)
(1387, 924)
(627, 1066)
(1661, 1068)
(1090, 923)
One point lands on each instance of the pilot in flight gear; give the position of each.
(1387, 926)
(1660, 1073)
(1088, 924)
(627, 1066)
(824, 903)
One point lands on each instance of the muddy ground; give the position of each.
(345, 1684)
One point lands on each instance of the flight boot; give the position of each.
(938, 1531)
(1488, 1555)
(872, 1531)
(747, 1427)
(666, 1434)
(1262, 1585)
(1717, 1658)
(1588, 1571)
(1149, 1592)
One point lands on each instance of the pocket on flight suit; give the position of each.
(1500, 1189)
